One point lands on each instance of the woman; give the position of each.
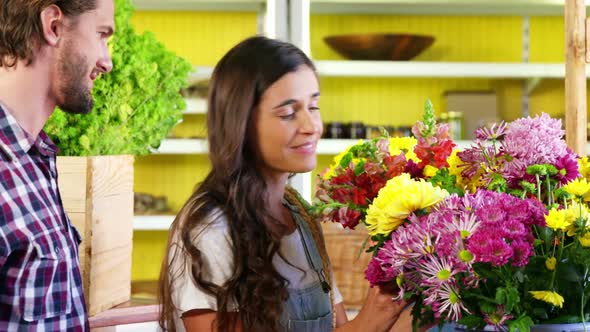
(243, 253)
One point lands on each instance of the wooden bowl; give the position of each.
(382, 46)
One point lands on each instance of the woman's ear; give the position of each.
(52, 23)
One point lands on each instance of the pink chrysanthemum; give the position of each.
(531, 141)
(446, 299)
(497, 319)
(567, 166)
(375, 273)
(513, 230)
(436, 270)
(495, 250)
(495, 132)
(522, 252)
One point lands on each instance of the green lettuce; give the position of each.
(135, 105)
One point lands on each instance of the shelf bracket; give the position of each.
(531, 84)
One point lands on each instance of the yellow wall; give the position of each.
(203, 38)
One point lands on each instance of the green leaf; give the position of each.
(359, 168)
(487, 307)
(346, 159)
(522, 324)
(501, 295)
(471, 321)
(512, 298)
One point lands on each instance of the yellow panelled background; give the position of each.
(203, 37)
(200, 37)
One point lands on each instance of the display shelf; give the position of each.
(201, 5)
(440, 69)
(152, 223)
(200, 73)
(200, 146)
(325, 146)
(533, 73)
(183, 146)
(195, 106)
(440, 7)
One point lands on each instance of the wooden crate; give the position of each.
(97, 193)
(349, 262)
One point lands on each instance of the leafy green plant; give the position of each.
(135, 105)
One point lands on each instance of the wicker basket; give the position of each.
(344, 248)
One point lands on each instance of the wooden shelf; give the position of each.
(152, 223)
(440, 69)
(201, 5)
(200, 146)
(441, 7)
(200, 73)
(360, 68)
(195, 106)
(183, 146)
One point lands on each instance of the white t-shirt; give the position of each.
(212, 238)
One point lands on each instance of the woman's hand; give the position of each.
(404, 323)
(379, 312)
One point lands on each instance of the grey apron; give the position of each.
(308, 309)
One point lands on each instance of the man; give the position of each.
(51, 51)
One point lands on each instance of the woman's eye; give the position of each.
(289, 116)
(314, 108)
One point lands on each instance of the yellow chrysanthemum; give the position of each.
(550, 263)
(556, 219)
(574, 212)
(549, 297)
(400, 197)
(585, 240)
(406, 145)
(584, 167)
(578, 187)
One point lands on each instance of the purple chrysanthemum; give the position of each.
(375, 274)
(513, 230)
(495, 132)
(522, 252)
(567, 167)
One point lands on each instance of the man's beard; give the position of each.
(77, 98)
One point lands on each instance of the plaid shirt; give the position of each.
(40, 281)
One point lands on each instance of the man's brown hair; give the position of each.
(21, 31)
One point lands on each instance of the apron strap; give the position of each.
(315, 229)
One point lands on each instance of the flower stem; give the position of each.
(484, 298)
(549, 192)
(538, 187)
(536, 229)
(582, 298)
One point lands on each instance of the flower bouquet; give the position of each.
(495, 235)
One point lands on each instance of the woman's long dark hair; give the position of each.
(235, 186)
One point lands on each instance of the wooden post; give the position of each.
(575, 75)
(97, 194)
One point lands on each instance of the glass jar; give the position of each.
(356, 130)
(334, 130)
(455, 121)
